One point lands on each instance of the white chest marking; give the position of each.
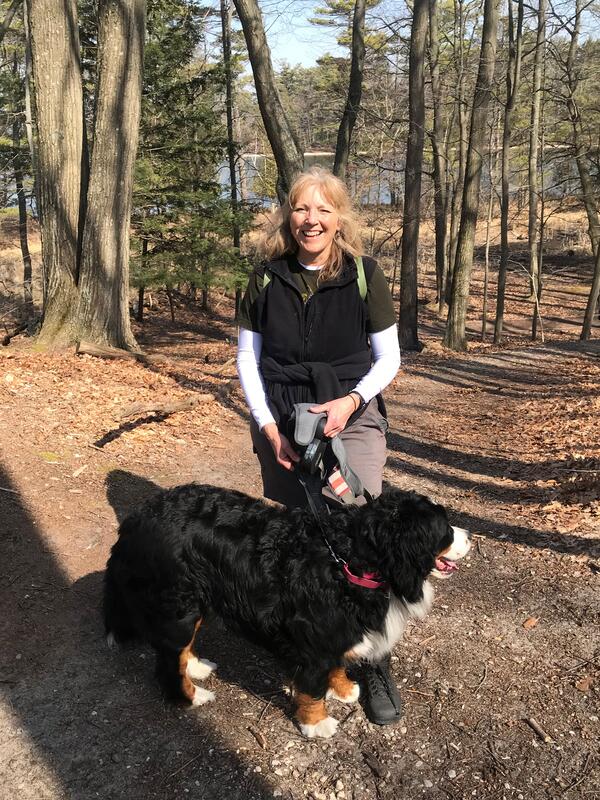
(375, 645)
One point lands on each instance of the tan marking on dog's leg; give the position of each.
(308, 710)
(187, 687)
(198, 669)
(312, 717)
(341, 687)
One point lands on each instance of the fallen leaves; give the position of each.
(585, 684)
(531, 622)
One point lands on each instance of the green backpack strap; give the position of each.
(361, 278)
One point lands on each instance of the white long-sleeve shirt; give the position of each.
(386, 362)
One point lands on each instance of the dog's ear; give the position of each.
(410, 531)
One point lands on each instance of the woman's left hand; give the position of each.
(338, 413)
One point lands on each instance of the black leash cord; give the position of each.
(315, 511)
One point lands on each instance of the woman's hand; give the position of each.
(285, 454)
(338, 413)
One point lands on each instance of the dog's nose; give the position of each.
(469, 535)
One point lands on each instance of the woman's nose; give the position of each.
(311, 216)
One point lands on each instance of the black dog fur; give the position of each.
(267, 572)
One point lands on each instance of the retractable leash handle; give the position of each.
(307, 434)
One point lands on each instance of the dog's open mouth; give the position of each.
(445, 565)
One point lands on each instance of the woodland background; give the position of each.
(156, 135)
(468, 134)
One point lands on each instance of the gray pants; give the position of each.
(365, 449)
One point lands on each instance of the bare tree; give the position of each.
(59, 107)
(534, 158)
(85, 227)
(572, 82)
(461, 114)
(8, 18)
(282, 139)
(407, 328)
(104, 315)
(342, 148)
(493, 176)
(235, 230)
(592, 303)
(461, 279)
(513, 77)
(439, 160)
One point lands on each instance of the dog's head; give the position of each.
(413, 539)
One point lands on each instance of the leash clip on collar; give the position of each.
(369, 580)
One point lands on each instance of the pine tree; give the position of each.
(181, 220)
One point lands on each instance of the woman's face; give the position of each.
(314, 221)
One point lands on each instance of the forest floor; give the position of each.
(507, 438)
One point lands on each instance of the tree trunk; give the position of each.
(104, 315)
(587, 188)
(437, 144)
(458, 184)
(8, 18)
(407, 332)
(342, 148)
(59, 103)
(21, 202)
(27, 293)
(235, 228)
(140, 309)
(29, 115)
(493, 173)
(513, 77)
(455, 329)
(286, 151)
(537, 316)
(85, 231)
(533, 162)
(592, 303)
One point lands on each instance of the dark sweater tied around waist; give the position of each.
(310, 382)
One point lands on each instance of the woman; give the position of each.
(309, 334)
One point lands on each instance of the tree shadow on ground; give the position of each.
(512, 375)
(83, 726)
(495, 528)
(240, 664)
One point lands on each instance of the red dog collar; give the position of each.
(368, 580)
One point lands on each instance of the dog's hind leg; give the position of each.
(309, 693)
(172, 667)
(198, 669)
(341, 687)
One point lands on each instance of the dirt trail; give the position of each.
(513, 636)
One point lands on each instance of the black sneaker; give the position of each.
(382, 702)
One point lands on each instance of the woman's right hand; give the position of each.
(285, 455)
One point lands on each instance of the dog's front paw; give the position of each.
(198, 669)
(202, 696)
(351, 697)
(321, 730)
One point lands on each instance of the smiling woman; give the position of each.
(314, 222)
(318, 327)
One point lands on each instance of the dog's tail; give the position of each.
(117, 619)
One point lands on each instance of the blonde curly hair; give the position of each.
(277, 240)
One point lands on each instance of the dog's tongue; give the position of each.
(444, 565)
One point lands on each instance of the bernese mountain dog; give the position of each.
(273, 576)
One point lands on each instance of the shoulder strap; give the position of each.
(361, 277)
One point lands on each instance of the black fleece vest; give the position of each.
(314, 351)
